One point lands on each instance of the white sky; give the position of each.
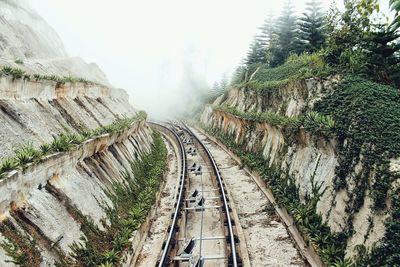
(146, 46)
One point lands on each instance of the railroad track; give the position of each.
(202, 231)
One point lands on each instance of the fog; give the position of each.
(161, 51)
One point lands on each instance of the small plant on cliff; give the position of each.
(315, 122)
(61, 143)
(19, 61)
(37, 77)
(69, 79)
(7, 70)
(75, 139)
(27, 154)
(18, 73)
(344, 263)
(7, 165)
(45, 149)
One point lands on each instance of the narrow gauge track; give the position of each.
(196, 213)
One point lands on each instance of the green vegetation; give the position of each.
(19, 61)
(20, 248)
(311, 36)
(297, 67)
(358, 42)
(368, 125)
(62, 143)
(17, 73)
(330, 246)
(27, 154)
(131, 204)
(311, 121)
(368, 130)
(387, 252)
(362, 111)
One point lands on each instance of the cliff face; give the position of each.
(37, 111)
(307, 158)
(48, 206)
(41, 200)
(25, 36)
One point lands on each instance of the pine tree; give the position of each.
(283, 40)
(311, 27)
(267, 30)
(256, 52)
(395, 6)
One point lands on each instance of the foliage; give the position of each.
(283, 41)
(256, 52)
(27, 154)
(17, 73)
(295, 68)
(360, 45)
(387, 252)
(19, 61)
(14, 72)
(311, 121)
(7, 165)
(131, 203)
(367, 118)
(395, 6)
(20, 248)
(312, 28)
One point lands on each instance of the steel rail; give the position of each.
(225, 202)
(180, 195)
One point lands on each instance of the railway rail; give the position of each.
(194, 211)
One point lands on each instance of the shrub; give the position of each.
(45, 149)
(27, 154)
(367, 116)
(61, 143)
(7, 165)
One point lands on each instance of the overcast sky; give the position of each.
(146, 46)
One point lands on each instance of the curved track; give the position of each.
(193, 215)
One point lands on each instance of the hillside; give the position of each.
(327, 147)
(29, 43)
(73, 153)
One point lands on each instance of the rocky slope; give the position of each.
(69, 151)
(38, 199)
(25, 36)
(266, 123)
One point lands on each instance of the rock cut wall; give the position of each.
(304, 157)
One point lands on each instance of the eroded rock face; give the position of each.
(44, 200)
(40, 199)
(289, 100)
(36, 112)
(304, 157)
